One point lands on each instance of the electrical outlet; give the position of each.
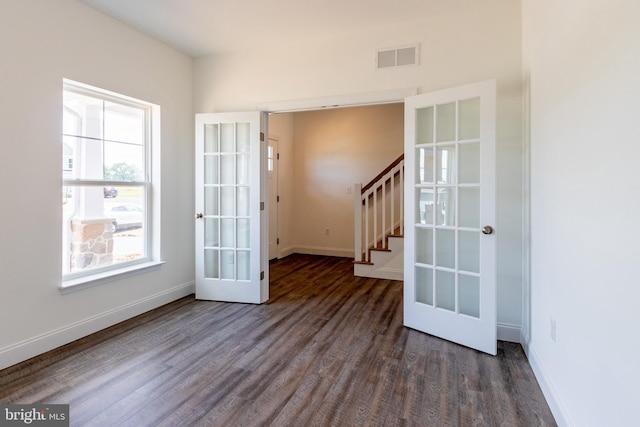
(552, 331)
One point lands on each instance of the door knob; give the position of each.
(198, 215)
(487, 229)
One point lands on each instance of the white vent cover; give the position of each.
(400, 56)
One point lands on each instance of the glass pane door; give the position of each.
(449, 263)
(229, 230)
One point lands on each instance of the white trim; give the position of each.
(338, 101)
(509, 332)
(110, 275)
(552, 397)
(319, 250)
(37, 345)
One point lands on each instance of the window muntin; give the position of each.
(106, 181)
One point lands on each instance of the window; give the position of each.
(107, 140)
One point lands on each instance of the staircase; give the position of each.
(379, 224)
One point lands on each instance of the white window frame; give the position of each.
(150, 183)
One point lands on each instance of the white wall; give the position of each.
(42, 42)
(462, 42)
(584, 66)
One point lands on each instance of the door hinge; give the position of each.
(277, 198)
(261, 206)
(262, 275)
(262, 136)
(278, 156)
(278, 241)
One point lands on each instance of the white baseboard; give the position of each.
(318, 250)
(29, 348)
(508, 332)
(555, 403)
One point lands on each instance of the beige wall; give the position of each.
(334, 149)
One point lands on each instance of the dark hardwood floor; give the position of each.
(327, 349)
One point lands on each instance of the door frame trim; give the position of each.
(338, 101)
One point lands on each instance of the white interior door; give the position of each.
(274, 198)
(231, 239)
(450, 245)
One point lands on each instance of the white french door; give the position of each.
(231, 251)
(450, 196)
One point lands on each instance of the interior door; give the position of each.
(274, 198)
(450, 244)
(230, 227)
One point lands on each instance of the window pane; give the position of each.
(124, 123)
(82, 115)
(424, 125)
(424, 285)
(446, 122)
(85, 156)
(425, 206)
(102, 226)
(446, 290)
(104, 140)
(123, 162)
(243, 137)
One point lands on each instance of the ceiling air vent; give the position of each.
(397, 56)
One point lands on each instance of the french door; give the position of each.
(230, 227)
(450, 243)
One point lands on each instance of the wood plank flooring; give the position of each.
(328, 349)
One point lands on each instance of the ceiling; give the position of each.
(208, 27)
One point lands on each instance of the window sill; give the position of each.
(73, 285)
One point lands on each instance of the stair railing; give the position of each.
(378, 210)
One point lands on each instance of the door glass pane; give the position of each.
(469, 119)
(244, 234)
(227, 265)
(446, 290)
(242, 169)
(211, 265)
(210, 169)
(424, 125)
(469, 251)
(469, 163)
(469, 202)
(445, 248)
(425, 166)
(244, 265)
(211, 139)
(446, 165)
(424, 245)
(469, 295)
(211, 200)
(424, 285)
(243, 137)
(227, 204)
(211, 232)
(446, 122)
(446, 206)
(227, 138)
(227, 233)
(243, 201)
(425, 206)
(227, 169)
